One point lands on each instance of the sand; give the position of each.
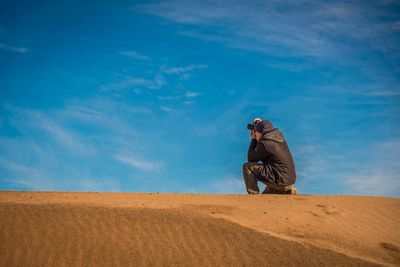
(139, 229)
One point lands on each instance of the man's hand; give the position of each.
(252, 134)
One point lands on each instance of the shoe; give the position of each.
(292, 191)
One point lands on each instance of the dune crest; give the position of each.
(128, 229)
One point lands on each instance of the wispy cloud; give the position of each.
(379, 88)
(393, 92)
(37, 159)
(30, 177)
(319, 32)
(166, 109)
(191, 94)
(135, 55)
(64, 137)
(375, 169)
(147, 166)
(32, 166)
(163, 77)
(107, 117)
(190, 97)
(377, 175)
(180, 70)
(39, 178)
(184, 73)
(290, 67)
(377, 183)
(104, 113)
(187, 98)
(134, 82)
(21, 50)
(301, 28)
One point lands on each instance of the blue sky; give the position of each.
(155, 96)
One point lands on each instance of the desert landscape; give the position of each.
(141, 229)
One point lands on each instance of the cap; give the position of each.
(263, 126)
(256, 120)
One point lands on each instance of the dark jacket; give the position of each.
(274, 153)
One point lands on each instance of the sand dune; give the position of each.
(130, 229)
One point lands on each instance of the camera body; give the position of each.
(250, 126)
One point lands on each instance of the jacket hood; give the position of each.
(263, 126)
(274, 135)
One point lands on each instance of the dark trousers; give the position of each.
(254, 172)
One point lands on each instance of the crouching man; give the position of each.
(276, 170)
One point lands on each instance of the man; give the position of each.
(277, 169)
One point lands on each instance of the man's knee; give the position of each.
(246, 166)
(250, 178)
(253, 167)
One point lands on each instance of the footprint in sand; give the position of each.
(329, 210)
(392, 250)
(315, 214)
(390, 246)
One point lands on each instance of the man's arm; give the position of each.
(256, 151)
